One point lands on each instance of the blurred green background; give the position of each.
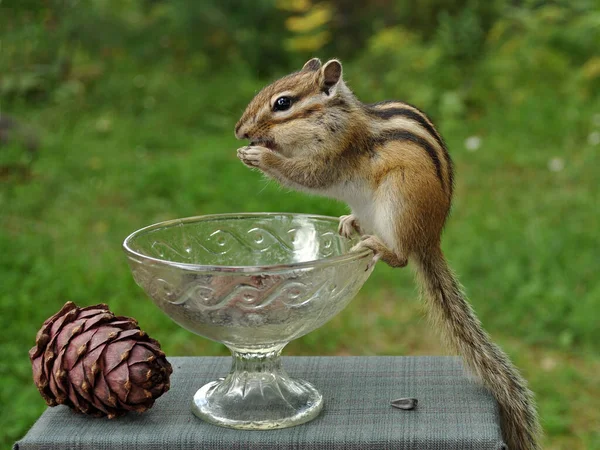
(116, 114)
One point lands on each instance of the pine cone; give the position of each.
(97, 363)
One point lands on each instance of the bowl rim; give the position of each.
(346, 257)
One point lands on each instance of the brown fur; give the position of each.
(391, 165)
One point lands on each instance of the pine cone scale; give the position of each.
(57, 394)
(103, 392)
(79, 382)
(57, 374)
(118, 381)
(138, 395)
(119, 352)
(100, 318)
(104, 335)
(67, 333)
(146, 352)
(141, 374)
(78, 347)
(130, 333)
(60, 321)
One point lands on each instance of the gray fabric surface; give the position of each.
(453, 411)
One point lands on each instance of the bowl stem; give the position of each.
(257, 394)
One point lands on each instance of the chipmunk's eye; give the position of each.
(282, 103)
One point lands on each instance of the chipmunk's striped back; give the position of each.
(401, 121)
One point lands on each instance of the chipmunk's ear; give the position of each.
(331, 74)
(312, 65)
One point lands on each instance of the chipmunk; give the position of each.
(388, 162)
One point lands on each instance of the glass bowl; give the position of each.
(253, 282)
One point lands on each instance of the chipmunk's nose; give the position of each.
(240, 131)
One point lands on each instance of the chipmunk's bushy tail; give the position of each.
(449, 309)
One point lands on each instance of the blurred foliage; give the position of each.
(472, 63)
(308, 23)
(472, 53)
(119, 113)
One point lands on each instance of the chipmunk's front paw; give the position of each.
(253, 155)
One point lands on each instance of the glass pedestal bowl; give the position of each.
(253, 282)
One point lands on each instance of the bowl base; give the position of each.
(262, 403)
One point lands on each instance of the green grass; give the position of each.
(522, 238)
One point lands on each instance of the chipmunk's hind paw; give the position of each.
(348, 225)
(380, 250)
